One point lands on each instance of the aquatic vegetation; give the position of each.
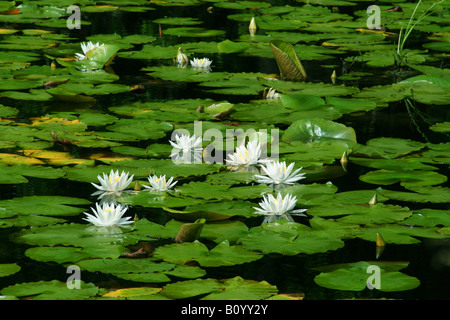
(108, 215)
(245, 155)
(277, 173)
(114, 182)
(86, 47)
(280, 207)
(188, 200)
(160, 183)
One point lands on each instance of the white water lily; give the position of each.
(279, 207)
(160, 183)
(186, 149)
(278, 174)
(203, 63)
(113, 182)
(108, 215)
(86, 47)
(186, 143)
(245, 155)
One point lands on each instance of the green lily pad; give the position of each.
(45, 205)
(73, 254)
(308, 130)
(289, 238)
(7, 269)
(406, 178)
(422, 194)
(221, 255)
(11, 174)
(354, 276)
(362, 214)
(51, 290)
(213, 289)
(429, 218)
(207, 191)
(141, 128)
(140, 270)
(72, 234)
(193, 32)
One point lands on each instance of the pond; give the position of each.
(190, 149)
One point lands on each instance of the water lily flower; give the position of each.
(272, 94)
(279, 207)
(186, 149)
(86, 47)
(278, 174)
(252, 27)
(114, 182)
(160, 183)
(182, 59)
(108, 215)
(245, 155)
(203, 63)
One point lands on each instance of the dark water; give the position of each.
(428, 261)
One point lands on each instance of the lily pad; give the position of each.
(289, 238)
(51, 290)
(406, 178)
(7, 269)
(354, 276)
(308, 130)
(45, 205)
(221, 255)
(140, 270)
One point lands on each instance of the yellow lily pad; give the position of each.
(10, 158)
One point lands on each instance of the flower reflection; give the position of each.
(275, 208)
(108, 215)
(203, 63)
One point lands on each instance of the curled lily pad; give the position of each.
(288, 62)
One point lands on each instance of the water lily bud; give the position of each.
(380, 241)
(333, 76)
(252, 27)
(344, 160)
(137, 187)
(182, 59)
(374, 200)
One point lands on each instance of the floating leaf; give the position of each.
(289, 238)
(7, 269)
(308, 130)
(354, 276)
(221, 255)
(51, 290)
(406, 178)
(45, 205)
